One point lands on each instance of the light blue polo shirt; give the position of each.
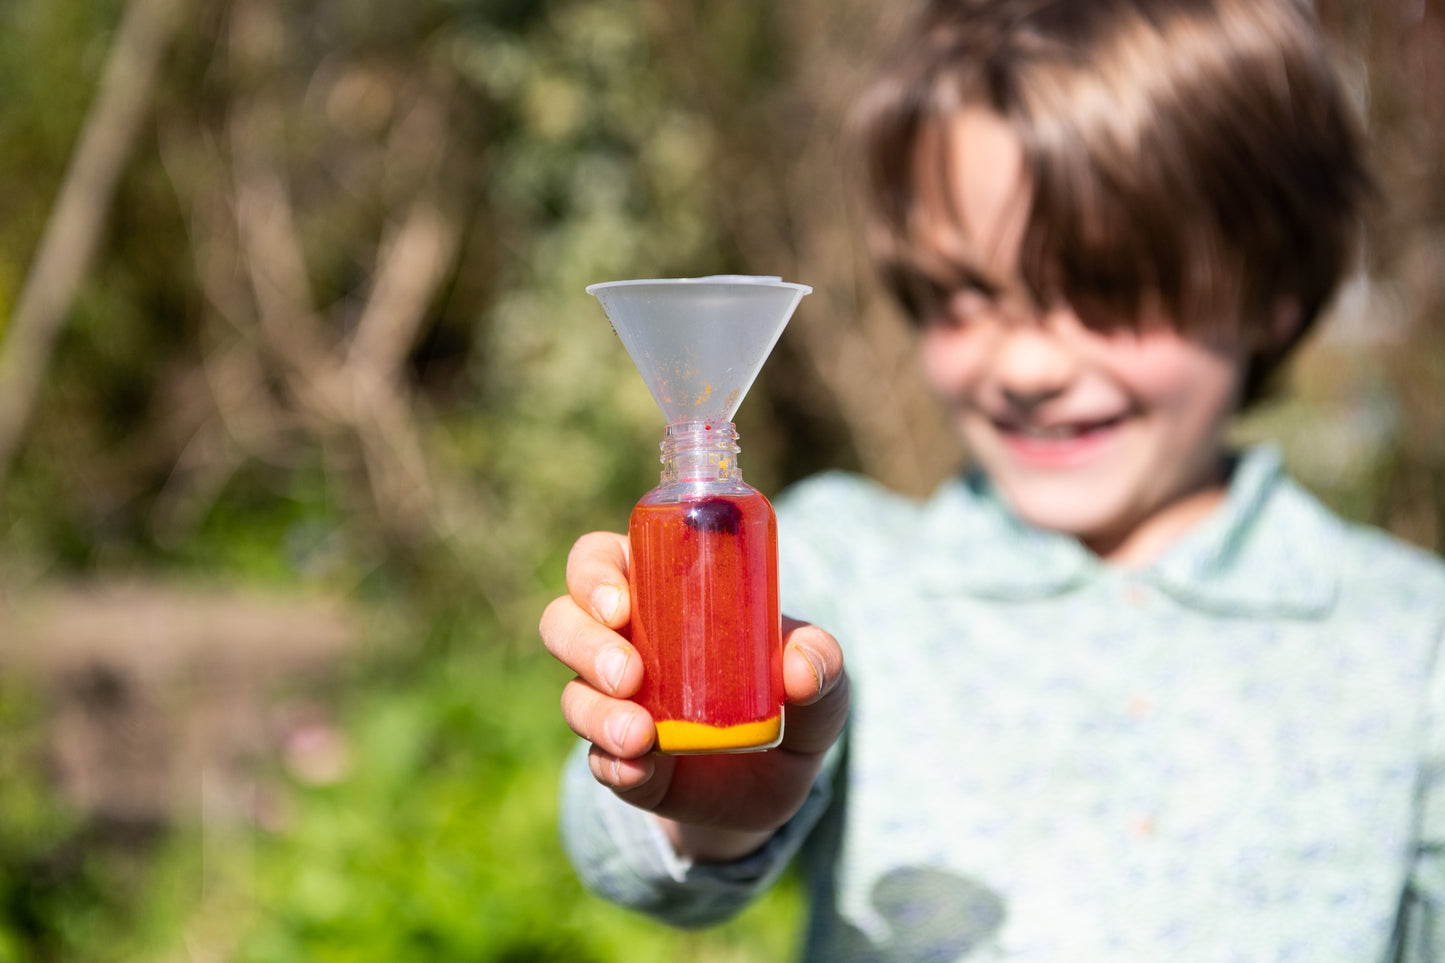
(1228, 754)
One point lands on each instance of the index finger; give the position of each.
(597, 576)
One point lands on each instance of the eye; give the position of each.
(951, 297)
(967, 303)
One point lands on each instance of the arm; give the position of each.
(624, 855)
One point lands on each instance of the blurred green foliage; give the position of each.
(441, 844)
(33, 831)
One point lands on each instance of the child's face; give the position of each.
(1116, 438)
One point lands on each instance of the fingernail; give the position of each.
(617, 726)
(606, 600)
(611, 664)
(814, 663)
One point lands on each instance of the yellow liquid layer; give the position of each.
(678, 737)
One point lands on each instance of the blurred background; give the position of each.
(302, 404)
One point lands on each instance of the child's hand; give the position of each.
(713, 807)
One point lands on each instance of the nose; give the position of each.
(1031, 366)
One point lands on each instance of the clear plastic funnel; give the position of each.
(699, 343)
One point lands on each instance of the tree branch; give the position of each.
(73, 230)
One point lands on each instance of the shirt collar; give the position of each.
(1228, 564)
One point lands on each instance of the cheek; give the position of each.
(1184, 378)
(950, 358)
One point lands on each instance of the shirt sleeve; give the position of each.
(622, 854)
(1420, 934)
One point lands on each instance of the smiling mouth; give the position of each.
(1068, 431)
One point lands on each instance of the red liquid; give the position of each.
(706, 622)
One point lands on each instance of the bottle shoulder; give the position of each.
(672, 493)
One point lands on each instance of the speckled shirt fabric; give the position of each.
(1234, 753)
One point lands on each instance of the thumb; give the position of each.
(816, 687)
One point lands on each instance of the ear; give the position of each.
(1284, 323)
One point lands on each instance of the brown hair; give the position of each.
(1201, 152)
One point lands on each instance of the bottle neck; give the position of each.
(700, 451)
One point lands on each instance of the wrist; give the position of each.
(705, 844)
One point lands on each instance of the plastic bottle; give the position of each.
(705, 599)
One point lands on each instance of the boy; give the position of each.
(1121, 694)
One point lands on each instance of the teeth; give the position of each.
(1056, 432)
